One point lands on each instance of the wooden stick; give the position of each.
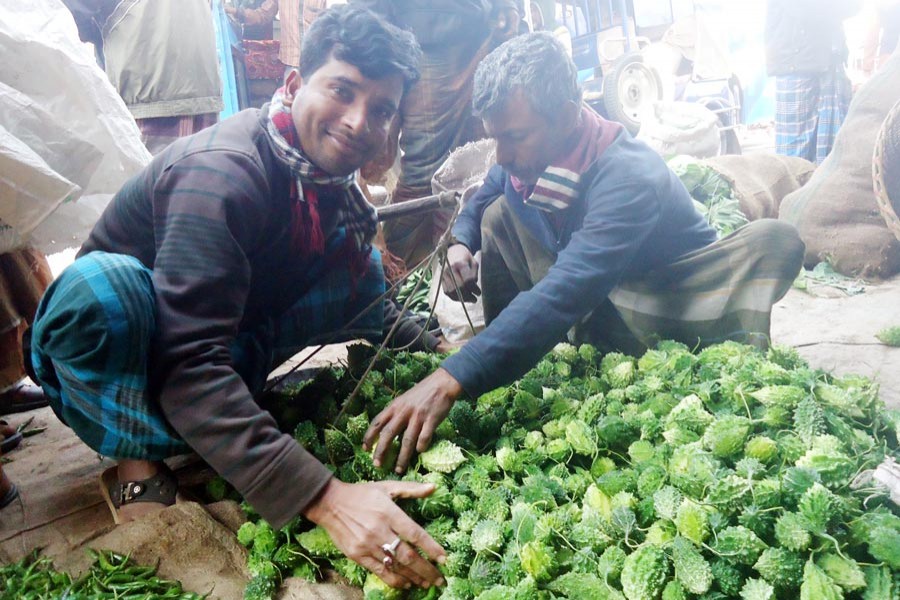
(418, 205)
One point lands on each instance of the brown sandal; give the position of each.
(161, 488)
(21, 398)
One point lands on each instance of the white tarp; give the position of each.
(65, 134)
(463, 171)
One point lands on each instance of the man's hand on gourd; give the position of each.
(366, 525)
(414, 414)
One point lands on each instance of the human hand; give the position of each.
(445, 346)
(417, 413)
(506, 23)
(461, 271)
(361, 517)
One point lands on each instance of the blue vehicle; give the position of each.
(610, 41)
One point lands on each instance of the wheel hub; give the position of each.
(637, 89)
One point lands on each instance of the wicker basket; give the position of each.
(886, 170)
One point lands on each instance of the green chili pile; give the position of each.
(110, 576)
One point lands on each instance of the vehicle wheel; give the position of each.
(629, 88)
(729, 142)
(737, 95)
(728, 139)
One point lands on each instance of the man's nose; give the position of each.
(356, 117)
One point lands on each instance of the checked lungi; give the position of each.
(724, 291)
(93, 335)
(158, 132)
(809, 110)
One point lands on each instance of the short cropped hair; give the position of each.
(536, 63)
(363, 39)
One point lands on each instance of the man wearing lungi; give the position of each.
(583, 228)
(805, 53)
(233, 249)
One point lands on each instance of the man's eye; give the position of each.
(341, 92)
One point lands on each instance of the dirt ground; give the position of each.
(61, 509)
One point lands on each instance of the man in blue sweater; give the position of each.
(582, 228)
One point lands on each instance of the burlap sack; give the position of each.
(835, 212)
(886, 170)
(761, 181)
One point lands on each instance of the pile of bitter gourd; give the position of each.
(727, 473)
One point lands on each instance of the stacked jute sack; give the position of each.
(846, 210)
(886, 170)
(760, 182)
(837, 212)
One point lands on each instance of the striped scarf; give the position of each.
(356, 215)
(558, 186)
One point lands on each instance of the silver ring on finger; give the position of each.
(390, 549)
(388, 562)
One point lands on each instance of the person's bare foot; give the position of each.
(6, 430)
(10, 438)
(7, 489)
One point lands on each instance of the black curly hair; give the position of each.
(363, 39)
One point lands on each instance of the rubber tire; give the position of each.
(729, 142)
(728, 139)
(611, 100)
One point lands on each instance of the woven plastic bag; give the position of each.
(463, 171)
(62, 121)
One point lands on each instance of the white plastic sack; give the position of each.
(30, 190)
(56, 101)
(681, 128)
(463, 171)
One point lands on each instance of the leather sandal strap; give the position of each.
(161, 488)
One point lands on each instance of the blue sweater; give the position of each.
(633, 216)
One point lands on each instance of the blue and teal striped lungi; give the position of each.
(809, 110)
(94, 329)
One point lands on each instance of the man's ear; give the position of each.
(291, 85)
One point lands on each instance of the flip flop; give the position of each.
(22, 398)
(108, 479)
(162, 487)
(10, 442)
(11, 494)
